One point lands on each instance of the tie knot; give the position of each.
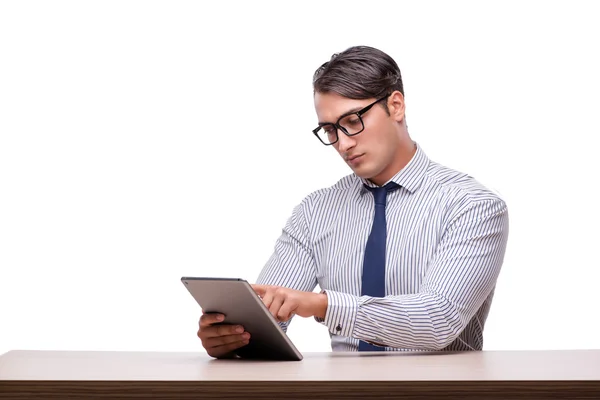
(380, 193)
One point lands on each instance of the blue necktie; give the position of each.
(373, 274)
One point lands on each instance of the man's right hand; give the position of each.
(220, 341)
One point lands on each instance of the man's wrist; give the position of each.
(320, 305)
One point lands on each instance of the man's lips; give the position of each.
(350, 158)
(354, 159)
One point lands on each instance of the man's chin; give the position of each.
(363, 173)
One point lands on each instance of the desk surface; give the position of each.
(467, 373)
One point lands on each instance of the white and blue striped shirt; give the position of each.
(446, 241)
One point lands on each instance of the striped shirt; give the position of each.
(446, 239)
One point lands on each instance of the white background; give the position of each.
(141, 141)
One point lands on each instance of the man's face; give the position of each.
(369, 154)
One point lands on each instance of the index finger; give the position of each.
(260, 289)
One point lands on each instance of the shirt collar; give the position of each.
(411, 176)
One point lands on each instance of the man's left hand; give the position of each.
(283, 302)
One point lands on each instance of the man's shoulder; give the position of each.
(337, 191)
(460, 184)
(461, 194)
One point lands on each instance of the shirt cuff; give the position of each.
(341, 313)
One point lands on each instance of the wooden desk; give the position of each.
(472, 375)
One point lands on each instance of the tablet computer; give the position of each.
(240, 304)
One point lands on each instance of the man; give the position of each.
(406, 251)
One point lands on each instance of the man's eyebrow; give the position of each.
(351, 111)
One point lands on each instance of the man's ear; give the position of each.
(396, 105)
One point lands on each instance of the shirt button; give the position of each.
(338, 328)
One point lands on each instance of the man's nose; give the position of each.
(345, 142)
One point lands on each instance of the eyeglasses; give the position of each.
(351, 124)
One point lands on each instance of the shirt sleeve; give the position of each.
(460, 277)
(292, 264)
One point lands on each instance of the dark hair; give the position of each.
(359, 72)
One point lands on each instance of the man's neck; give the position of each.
(403, 156)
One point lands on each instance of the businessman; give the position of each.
(406, 251)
